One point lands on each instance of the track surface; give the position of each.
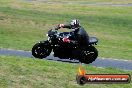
(99, 62)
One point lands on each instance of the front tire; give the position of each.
(41, 50)
(89, 55)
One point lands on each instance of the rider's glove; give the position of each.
(66, 40)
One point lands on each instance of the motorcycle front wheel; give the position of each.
(41, 50)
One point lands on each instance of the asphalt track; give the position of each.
(99, 62)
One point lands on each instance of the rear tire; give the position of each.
(89, 55)
(41, 50)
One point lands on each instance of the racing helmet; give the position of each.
(75, 23)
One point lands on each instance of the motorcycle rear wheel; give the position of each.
(89, 55)
(41, 50)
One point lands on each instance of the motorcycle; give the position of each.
(64, 50)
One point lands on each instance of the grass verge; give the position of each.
(20, 72)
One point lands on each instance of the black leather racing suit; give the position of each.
(81, 37)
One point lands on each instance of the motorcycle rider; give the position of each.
(68, 45)
(81, 35)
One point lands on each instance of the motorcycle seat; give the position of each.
(93, 40)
